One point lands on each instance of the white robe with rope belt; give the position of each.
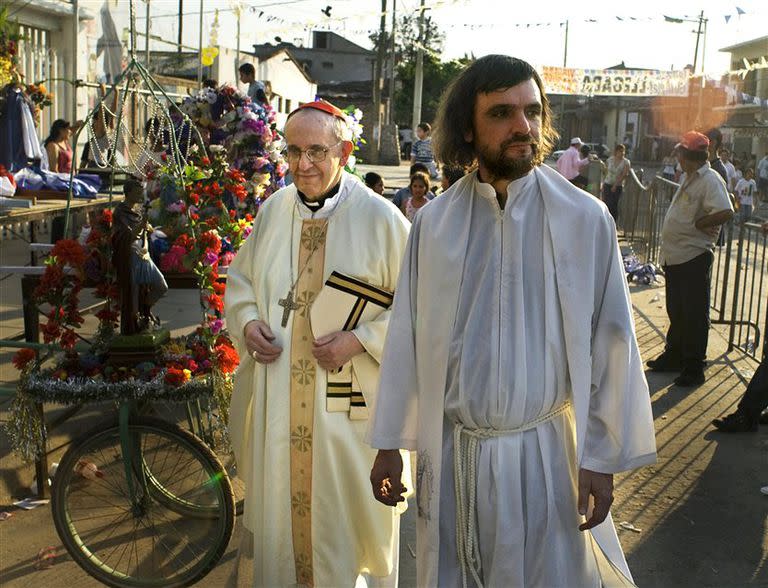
(498, 319)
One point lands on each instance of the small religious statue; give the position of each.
(140, 282)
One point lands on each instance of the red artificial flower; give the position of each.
(215, 302)
(195, 198)
(94, 236)
(74, 317)
(236, 175)
(205, 161)
(106, 315)
(69, 251)
(51, 331)
(164, 156)
(194, 216)
(219, 288)
(68, 339)
(174, 376)
(248, 217)
(210, 240)
(212, 222)
(185, 241)
(226, 358)
(23, 357)
(106, 216)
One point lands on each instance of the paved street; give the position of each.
(698, 516)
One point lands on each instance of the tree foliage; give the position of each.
(437, 74)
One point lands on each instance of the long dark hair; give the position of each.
(58, 125)
(457, 108)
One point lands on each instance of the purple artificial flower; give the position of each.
(210, 257)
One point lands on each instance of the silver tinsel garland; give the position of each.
(26, 428)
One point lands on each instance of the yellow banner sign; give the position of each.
(614, 82)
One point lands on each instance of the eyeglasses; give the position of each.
(315, 153)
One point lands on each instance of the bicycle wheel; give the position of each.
(197, 418)
(130, 538)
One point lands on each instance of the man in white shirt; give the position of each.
(691, 227)
(730, 169)
(571, 163)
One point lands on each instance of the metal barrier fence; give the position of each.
(739, 294)
(749, 291)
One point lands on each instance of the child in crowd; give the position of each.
(420, 187)
(451, 175)
(421, 152)
(375, 182)
(404, 194)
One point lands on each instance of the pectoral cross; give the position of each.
(288, 304)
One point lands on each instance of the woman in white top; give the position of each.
(618, 168)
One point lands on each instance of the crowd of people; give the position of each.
(521, 399)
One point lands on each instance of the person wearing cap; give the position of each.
(571, 163)
(691, 227)
(300, 402)
(511, 363)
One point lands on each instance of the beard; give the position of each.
(503, 166)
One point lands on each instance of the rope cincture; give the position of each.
(465, 445)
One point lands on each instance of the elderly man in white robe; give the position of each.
(511, 363)
(297, 419)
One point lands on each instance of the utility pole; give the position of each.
(418, 80)
(698, 34)
(565, 50)
(200, 51)
(701, 83)
(181, 24)
(565, 64)
(146, 38)
(378, 84)
(237, 54)
(392, 61)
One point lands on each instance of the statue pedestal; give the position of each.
(131, 350)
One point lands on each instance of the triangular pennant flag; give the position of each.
(740, 11)
(727, 18)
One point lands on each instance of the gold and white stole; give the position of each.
(303, 376)
(342, 304)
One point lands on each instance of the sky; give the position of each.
(635, 33)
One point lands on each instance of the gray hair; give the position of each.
(340, 128)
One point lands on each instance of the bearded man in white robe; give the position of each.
(511, 363)
(299, 407)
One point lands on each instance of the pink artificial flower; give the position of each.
(228, 256)
(216, 325)
(173, 260)
(176, 207)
